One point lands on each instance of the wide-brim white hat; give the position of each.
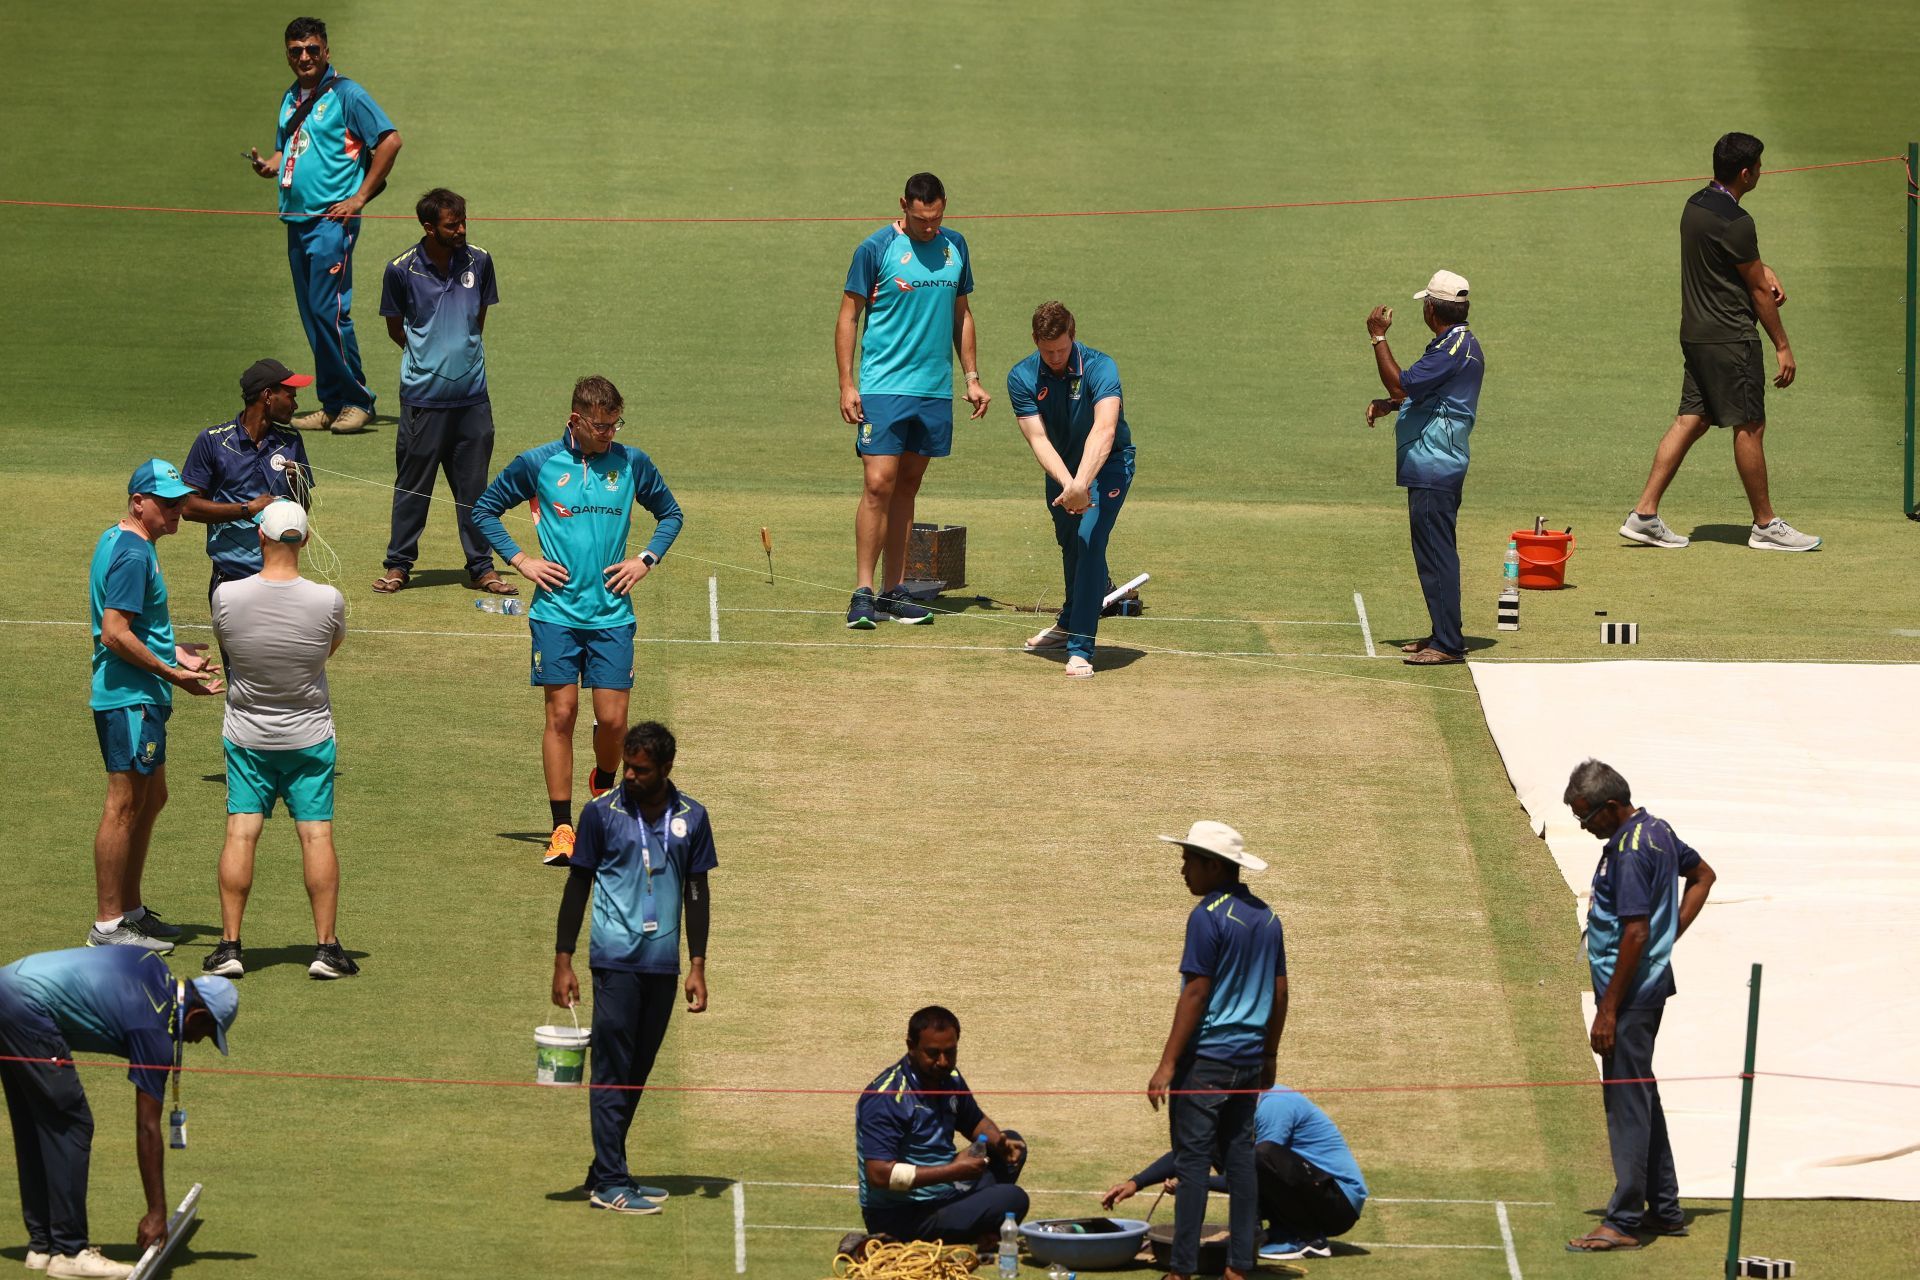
(1218, 840)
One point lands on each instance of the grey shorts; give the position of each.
(1725, 382)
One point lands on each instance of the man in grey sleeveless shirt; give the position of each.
(278, 630)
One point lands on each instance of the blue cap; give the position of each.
(219, 998)
(158, 477)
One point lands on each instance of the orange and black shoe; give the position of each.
(559, 849)
(594, 789)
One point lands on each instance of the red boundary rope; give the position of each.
(980, 217)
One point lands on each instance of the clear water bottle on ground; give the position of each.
(1508, 617)
(499, 604)
(1058, 1271)
(1009, 1248)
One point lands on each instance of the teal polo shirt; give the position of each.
(125, 575)
(911, 290)
(1064, 401)
(333, 151)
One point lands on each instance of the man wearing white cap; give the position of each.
(278, 630)
(1225, 1042)
(1438, 400)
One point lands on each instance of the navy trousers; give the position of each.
(1299, 1199)
(630, 1012)
(1083, 550)
(1214, 1131)
(1432, 515)
(52, 1127)
(1643, 1174)
(962, 1219)
(320, 255)
(458, 441)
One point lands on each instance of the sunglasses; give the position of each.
(600, 428)
(295, 52)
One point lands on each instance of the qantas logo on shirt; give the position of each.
(904, 287)
(565, 513)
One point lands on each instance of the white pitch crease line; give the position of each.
(713, 609)
(1506, 1238)
(1366, 632)
(739, 1229)
(1255, 622)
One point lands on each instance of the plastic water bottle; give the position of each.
(1009, 1248)
(1058, 1271)
(980, 1147)
(499, 604)
(1508, 617)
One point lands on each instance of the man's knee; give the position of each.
(563, 708)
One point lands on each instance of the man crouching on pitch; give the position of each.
(913, 1185)
(643, 854)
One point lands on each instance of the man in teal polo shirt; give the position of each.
(136, 665)
(582, 489)
(910, 280)
(1067, 399)
(329, 166)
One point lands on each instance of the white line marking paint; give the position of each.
(1534, 1204)
(1252, 622)
(1506, 1238)
(1903, 631)
(1377, 1244)
(739, 1229)
(713, 609)
(1059, 1191)
(1366, 632)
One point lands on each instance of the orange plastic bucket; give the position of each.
(1543, 559)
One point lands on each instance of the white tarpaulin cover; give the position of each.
(1800, 785)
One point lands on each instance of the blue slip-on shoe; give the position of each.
(622, 1200)
(902, 607)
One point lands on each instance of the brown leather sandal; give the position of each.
(493, 584)
(390, 581)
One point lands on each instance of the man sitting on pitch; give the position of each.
(278, 630)
(1310, 1184)
(117, 1000)
(582, 489)
(913, 1184)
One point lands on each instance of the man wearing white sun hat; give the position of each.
(1225, 1042)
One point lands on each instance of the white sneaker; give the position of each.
(1651, 530)
(37, 1261)
(1778, 535)
(90, 1264)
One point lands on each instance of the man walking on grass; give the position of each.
(1636, 914)
(1724, 289)
(333, 149)
(1225, 1038)
(435, 298)
(910, 281)
(643, 856)
(278, 630)
(136, 666)
(582, 489)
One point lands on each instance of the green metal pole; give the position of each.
(1912, 352)
(1746, 1114)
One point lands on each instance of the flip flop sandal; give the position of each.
(1051, 638)
(1594, 1242)
(391, 581)
(494, 585)
(1079, 669)
(1432, 657)
(1415, 646)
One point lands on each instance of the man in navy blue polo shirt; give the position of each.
(113, 1000)
(1635, 915)
(239, 466)
(1067, 399)
(913, 1184)
(1438, 400)
(642, 854)
(435, 298)
(1226, 1037)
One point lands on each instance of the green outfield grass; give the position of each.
(923, 815)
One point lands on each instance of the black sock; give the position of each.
(562, 812)
(602, 778)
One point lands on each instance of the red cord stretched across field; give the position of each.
(1066, 213)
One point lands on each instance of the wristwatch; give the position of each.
(1377, 338)
(649, 559)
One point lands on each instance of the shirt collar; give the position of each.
(1076, 364)
(1627, 828)
(1446, 333)
(456, 261)
(674, 804)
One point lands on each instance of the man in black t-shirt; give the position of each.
(1724, 289)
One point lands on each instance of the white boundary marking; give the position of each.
(739, 1229)
(1253, 622)
(1506, 1238)
(1366, 632)
(713, 609)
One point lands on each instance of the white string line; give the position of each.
(987, 618)
(1253, 622)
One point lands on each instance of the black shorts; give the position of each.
(1725, 382)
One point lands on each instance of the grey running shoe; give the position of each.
(904, 608)
(226, 960)
(126, 934)
(148, 921)
(860, 614)
(1651, 530)
(329, 961)
(1778, 535)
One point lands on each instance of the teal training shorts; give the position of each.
(302, 776)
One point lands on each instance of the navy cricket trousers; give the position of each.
(52, 1127)
(1432, 515)
(1083, 550)
(630, 1012)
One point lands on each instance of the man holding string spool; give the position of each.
(1066, 397)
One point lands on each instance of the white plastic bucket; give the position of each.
(560, 1053)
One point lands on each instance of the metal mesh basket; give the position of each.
(938, 553)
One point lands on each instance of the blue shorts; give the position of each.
(597, 657)
(303, 776)
(905, 424)
(133, 739)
